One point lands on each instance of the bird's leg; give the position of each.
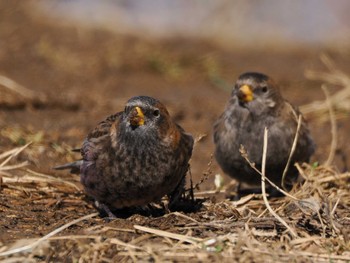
(191, 182)
(104, 208)
(174, 197)
(238, 191)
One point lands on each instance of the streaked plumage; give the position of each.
(135, 157)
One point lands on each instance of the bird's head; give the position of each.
(143, 113)
(257, 92)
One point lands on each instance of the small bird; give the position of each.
(256, 103)
(134, 157)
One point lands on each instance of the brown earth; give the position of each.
(80, 76)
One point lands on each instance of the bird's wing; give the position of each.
(88, 150)
(103, 128)
(186, 138)
(306, 144)
(94, 140)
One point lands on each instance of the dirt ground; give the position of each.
(79, 76)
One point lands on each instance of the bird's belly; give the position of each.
(130, 183)
(231, 158)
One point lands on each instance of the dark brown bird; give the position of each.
(256, 103)
(134, 157)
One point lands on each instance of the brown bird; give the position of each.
(256, 103)
(134, 157)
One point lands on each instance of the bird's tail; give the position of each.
(74, 167)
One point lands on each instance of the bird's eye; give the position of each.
(264, 89)
(156, 113)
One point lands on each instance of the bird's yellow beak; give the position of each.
(137, 117)
(245, 93)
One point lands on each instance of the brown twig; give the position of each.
(191, 240)
(295, 141)
(38, 241)
(14, 86)
(263, 166)
(245, 156)
(12, 153)
(334, 141)
(340, 99)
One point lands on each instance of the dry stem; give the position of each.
(293, 233)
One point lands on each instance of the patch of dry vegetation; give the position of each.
(310, 224)
(334, 77)
(241, 230)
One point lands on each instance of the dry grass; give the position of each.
(340, 100)
(310, 224)
(17, 88)
(7, 156)
(316, 229)
(20, 92)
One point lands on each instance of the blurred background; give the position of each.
(239, 23)
(66, 65)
